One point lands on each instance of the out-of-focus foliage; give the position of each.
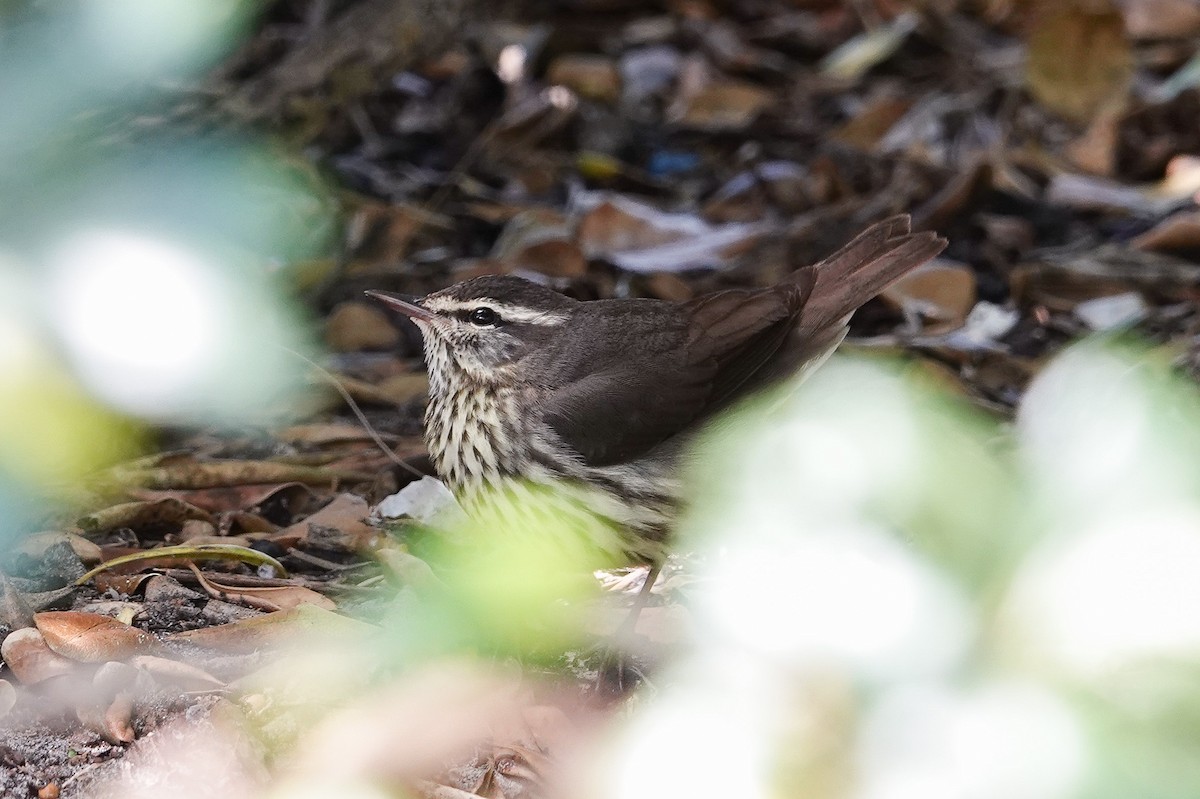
(900, 600)
(136, 261)
(891, 597)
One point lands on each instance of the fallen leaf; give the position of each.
(185, 675)
(268, 598)
(592, 76)
(125, 584)
(8, 697)
(147, 558)
(112, 678)
(198, 531)
(30, 658)
(722, 105)
(168, 512)
(320, 433)
(1096, 150)
(873, 120)
(343, 518)
(296, 627)
(1177, 233)
(353, 326)
(939, 292)
(91, 638)
(399, 390)
(856, 57)
(118, 720)
(1111, 313)
(553, 258)
(1161, 19)
(211, 474)
(640, 238)
(1080, 61)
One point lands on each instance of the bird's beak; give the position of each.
(409, 309)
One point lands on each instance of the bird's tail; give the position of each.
(859, 271)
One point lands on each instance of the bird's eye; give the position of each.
(484, 317)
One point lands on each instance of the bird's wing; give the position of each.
(623, 401)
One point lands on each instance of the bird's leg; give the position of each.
(627, 628)
(615, 667)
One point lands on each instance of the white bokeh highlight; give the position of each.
(1088, 432)
(999, 741)
(1124, 592)
(143, 321)
(144, 37)
(848, 597)
(157, 330)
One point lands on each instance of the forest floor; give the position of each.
(615, 149)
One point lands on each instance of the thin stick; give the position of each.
(331, 378)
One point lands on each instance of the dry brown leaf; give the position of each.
(592, 76)
(8, 697)
(125, 584)
(723, 105)
(618, 224)
(528, 227)
(112, 678)
(92, 638)
(30, 658)
(1096, 150)
(399, 390)
(1080, 61)
(295, 627)
(345, 517)
(320, 433)
(238, 497)
(211, 474)
(1177, 233)
(873, 120)
(1161, 19)
(640, 238)
(112, 720)
(141, 515)
(354, 326)
(268, 598)
(198, 531)
(185, 675)
(554, 258)
(940, 292)
(118, 720)
(241, 522)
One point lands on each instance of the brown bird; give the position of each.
(599, 399)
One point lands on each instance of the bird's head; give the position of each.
(485, 326)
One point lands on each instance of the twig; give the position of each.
(362, 417)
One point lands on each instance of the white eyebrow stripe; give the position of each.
(507, 311)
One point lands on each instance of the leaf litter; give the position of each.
(608, 150)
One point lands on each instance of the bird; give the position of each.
(596, 401)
